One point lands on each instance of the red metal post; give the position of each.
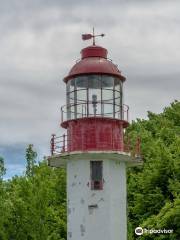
(53, 144)
(127, 145)
(64, 143)
(128, 113)
(62, 114)
(138, 144)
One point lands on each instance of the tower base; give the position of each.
(96, 214)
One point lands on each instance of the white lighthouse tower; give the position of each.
(93, 149)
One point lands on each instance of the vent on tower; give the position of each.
(96, 175)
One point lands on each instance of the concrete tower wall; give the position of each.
(96, 214)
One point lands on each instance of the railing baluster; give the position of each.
(53, 144)
(64, 143)
(138, 145)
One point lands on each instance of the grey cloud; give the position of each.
(40, 42)
(157, 81)
(150, 93)
(41, 14)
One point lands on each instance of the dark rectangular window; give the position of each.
(96, 175)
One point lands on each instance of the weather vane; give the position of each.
(88, 36)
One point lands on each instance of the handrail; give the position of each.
(58, 147)
(81, 110)
(64, 146)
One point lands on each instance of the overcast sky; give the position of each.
(40, 40)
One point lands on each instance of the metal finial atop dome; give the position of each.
(88, 36)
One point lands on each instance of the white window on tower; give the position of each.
(96, 168)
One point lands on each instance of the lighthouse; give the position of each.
(93, 149)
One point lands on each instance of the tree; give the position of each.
(3, 206)
(36, 205)
(30, 159)
(154, 189)
(2, 168)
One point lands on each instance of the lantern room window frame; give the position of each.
(77, 107)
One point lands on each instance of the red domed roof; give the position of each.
(94, 61)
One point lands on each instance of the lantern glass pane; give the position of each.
(71, 85)
(94, 95)
(107, 82)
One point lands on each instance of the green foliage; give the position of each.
(154, 189)
(34, 207)
(30, 159)
(2, 168)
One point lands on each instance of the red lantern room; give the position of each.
(94, 114)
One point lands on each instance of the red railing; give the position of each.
(58, 144)
(61, 144)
